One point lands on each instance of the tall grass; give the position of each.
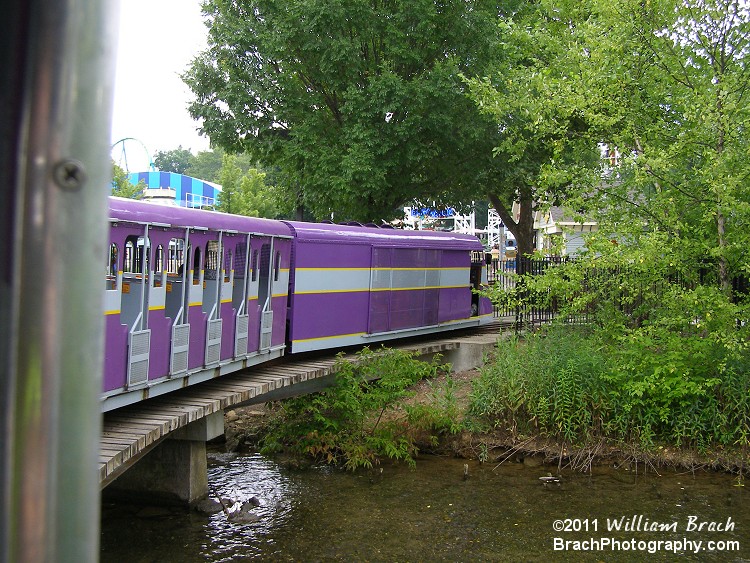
(550, 382)
(570, 384)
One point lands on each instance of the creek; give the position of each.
(434, 513)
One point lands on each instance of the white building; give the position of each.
(554, 223)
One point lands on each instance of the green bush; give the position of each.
(648, 386)
(664, 356)
(551, 382)
(359, 419)
(441, 413)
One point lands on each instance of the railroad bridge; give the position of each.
(158, 447)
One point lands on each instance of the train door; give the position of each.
(477, 280)
(114, 360)
(226, 310)
(279, 291)
(252, 301)
(196, 292)
(381, 272)
(177, 302)
(211, 305)
(134, 304)
(117, 329)
(241, 260)
(265, 295)
(158, 322)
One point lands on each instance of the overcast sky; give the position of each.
(158, 39)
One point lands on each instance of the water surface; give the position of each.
(500, 513)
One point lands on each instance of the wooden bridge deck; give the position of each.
(130, 432)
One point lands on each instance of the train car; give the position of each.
(356, 285)
(190, 295)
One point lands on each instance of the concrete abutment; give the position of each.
(175, 471)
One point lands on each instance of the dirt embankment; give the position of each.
(245, 426)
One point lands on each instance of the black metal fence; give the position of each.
(506, 274)
(528, 310)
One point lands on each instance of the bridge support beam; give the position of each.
(469, 354)
(175, 471)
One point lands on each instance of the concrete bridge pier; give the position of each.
(175, 470)
(471, 353)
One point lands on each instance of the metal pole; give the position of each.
(183, 317)
(219, 272)
(243, 307)
(56, 169)
(145, 279)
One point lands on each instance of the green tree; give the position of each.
(230, 198)
(665, 83)
(123, 187)
(177, 160)
(359, 104)
(206, 165)
(675, 105)
(260, 200)
(547, 144)
(245, 193)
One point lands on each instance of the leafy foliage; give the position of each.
(361, 418)
(547, 143)
(551, 383)
(359, 104)
(207, 165)
(663, 85)
(177, 160)
(441, 413)
(123, 187)
(671, 85)
(245, 194)
(575, 385)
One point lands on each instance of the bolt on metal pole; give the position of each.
(54, 174)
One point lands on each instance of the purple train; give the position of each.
(191, 294)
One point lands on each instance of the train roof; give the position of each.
(121, 209)
(356, 234)
(144, 212)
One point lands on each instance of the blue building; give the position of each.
(177, 189)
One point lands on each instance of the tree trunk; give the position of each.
(522, 227)
(299, 209)
(724, 280)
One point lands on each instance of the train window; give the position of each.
(159, 259)
(276, 266)
(176, 256)
(239, 260)
(112, 266)
(228, 266)
(135, 252)
(197, 266)
(159, 266)
(129, 258)
(255, 265)
(212, 260)
(264, 275)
